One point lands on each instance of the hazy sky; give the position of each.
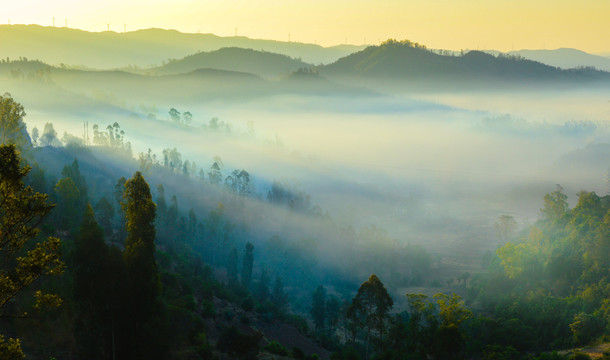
(450, 24)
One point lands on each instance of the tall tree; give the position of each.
(67, 199)
(449, 339)
(370, 307)
(139, 257)
(91, 275)
(73, 171)
(21, 210)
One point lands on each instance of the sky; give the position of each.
(503, 25)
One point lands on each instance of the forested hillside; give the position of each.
(137, 275)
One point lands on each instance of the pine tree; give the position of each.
(139, 257)
(90, 289)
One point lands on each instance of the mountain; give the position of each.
(565, 58)
(142, 48)
(406, 65)
(54, 87)
(261, 63)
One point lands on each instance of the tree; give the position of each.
(215, 174)
(246, 270)
(67, 198)
(49, 136)
(449, 339)
(318, 307)
(555, 205)
(139, 257)
(21, 210)
(175, 115)
(90, 292)
(35, 135)
(12, 128)
(370, 307)
(187, 117)
(73, 199)
(105, 214)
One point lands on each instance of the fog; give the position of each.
(402, 164)
(375, 173)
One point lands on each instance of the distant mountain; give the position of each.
(409, 65)
(565, 58)
(36, 81)
(264, 64)
(143, 48)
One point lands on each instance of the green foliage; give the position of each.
(99, 275)
(12, 128)
(21, 210)
(579, 356)
(276, 348)
(105, 214)
(498, 352)
(586, 328)
(451, 309)
(369, 310)
(23, 259)
(552, 282)
(139, 255)
(555, 205)
(10, 349)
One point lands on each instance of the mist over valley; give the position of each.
(436, 171)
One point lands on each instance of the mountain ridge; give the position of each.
(412, 65)
(264, 64)
(142, 48)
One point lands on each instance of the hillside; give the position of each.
(142, 48)
(261, 63)
(565, 58)
(42, 85)
(407, 64)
